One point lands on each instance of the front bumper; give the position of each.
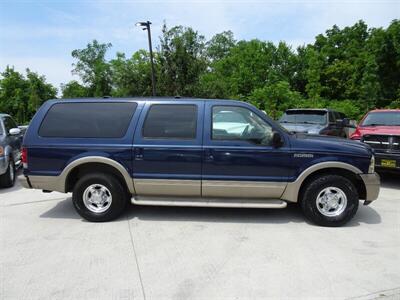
(379, 156)
(372, 184)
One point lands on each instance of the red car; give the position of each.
(381, 130)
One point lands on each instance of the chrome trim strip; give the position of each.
(209, 202)
(167, 187)
(242, 189)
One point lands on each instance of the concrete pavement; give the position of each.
(48, 251)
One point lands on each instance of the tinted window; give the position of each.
(332, 118)
(304, 116)
(9, 123)
(87, 120)
(238, 123)
(171, 121)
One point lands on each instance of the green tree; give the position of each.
(39, 91)
(219, 45)
(275, 98)
(21, 96)
(131, 77)
(93, 69)
(182, 60)
(74, 89)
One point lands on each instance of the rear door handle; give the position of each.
(208, 153)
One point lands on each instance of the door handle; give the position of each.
(138, 153)
(208, 153)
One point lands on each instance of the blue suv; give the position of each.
(191, 152)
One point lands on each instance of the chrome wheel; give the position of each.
(12, 171)
(331, 201)
(97, 198)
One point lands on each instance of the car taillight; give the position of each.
(24, 158)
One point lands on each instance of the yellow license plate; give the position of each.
(389, 163)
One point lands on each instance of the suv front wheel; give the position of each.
(99, 197)
(329, 200)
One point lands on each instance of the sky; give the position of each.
(40, 35)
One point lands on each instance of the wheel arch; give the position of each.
(90, 164)
(294, 189)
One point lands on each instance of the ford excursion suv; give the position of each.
(191, 152)
(380, 129)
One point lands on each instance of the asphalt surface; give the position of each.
(48, 252)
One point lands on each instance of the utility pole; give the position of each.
(146, 26)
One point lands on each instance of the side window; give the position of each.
(238, 123)
(9, 124)
(332, 118)
(170, 121)
(88, 120)
(341, 116)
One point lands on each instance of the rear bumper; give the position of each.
(372, 184)
(24, 181)
(49, 183)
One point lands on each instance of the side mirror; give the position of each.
(277, 140)
(15, 131)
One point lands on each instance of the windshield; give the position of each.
(388, 118)
(305, 117)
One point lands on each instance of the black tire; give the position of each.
(115, 189)
(312, 209)
(7, 180)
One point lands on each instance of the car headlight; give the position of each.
(371, 168)
(1, 151)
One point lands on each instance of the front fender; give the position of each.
(293, 188)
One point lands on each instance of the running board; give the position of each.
(209, 202)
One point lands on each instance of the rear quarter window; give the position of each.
(88, 120)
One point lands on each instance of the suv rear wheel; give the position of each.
(8, 178)
(330, 200)
(99, 197)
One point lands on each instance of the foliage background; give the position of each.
(352, 70)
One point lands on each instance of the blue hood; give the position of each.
(330, 144)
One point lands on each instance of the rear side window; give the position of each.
(88, 120)
(171, 121)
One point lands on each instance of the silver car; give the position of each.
(10, 150)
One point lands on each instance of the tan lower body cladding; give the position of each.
(209, 188)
